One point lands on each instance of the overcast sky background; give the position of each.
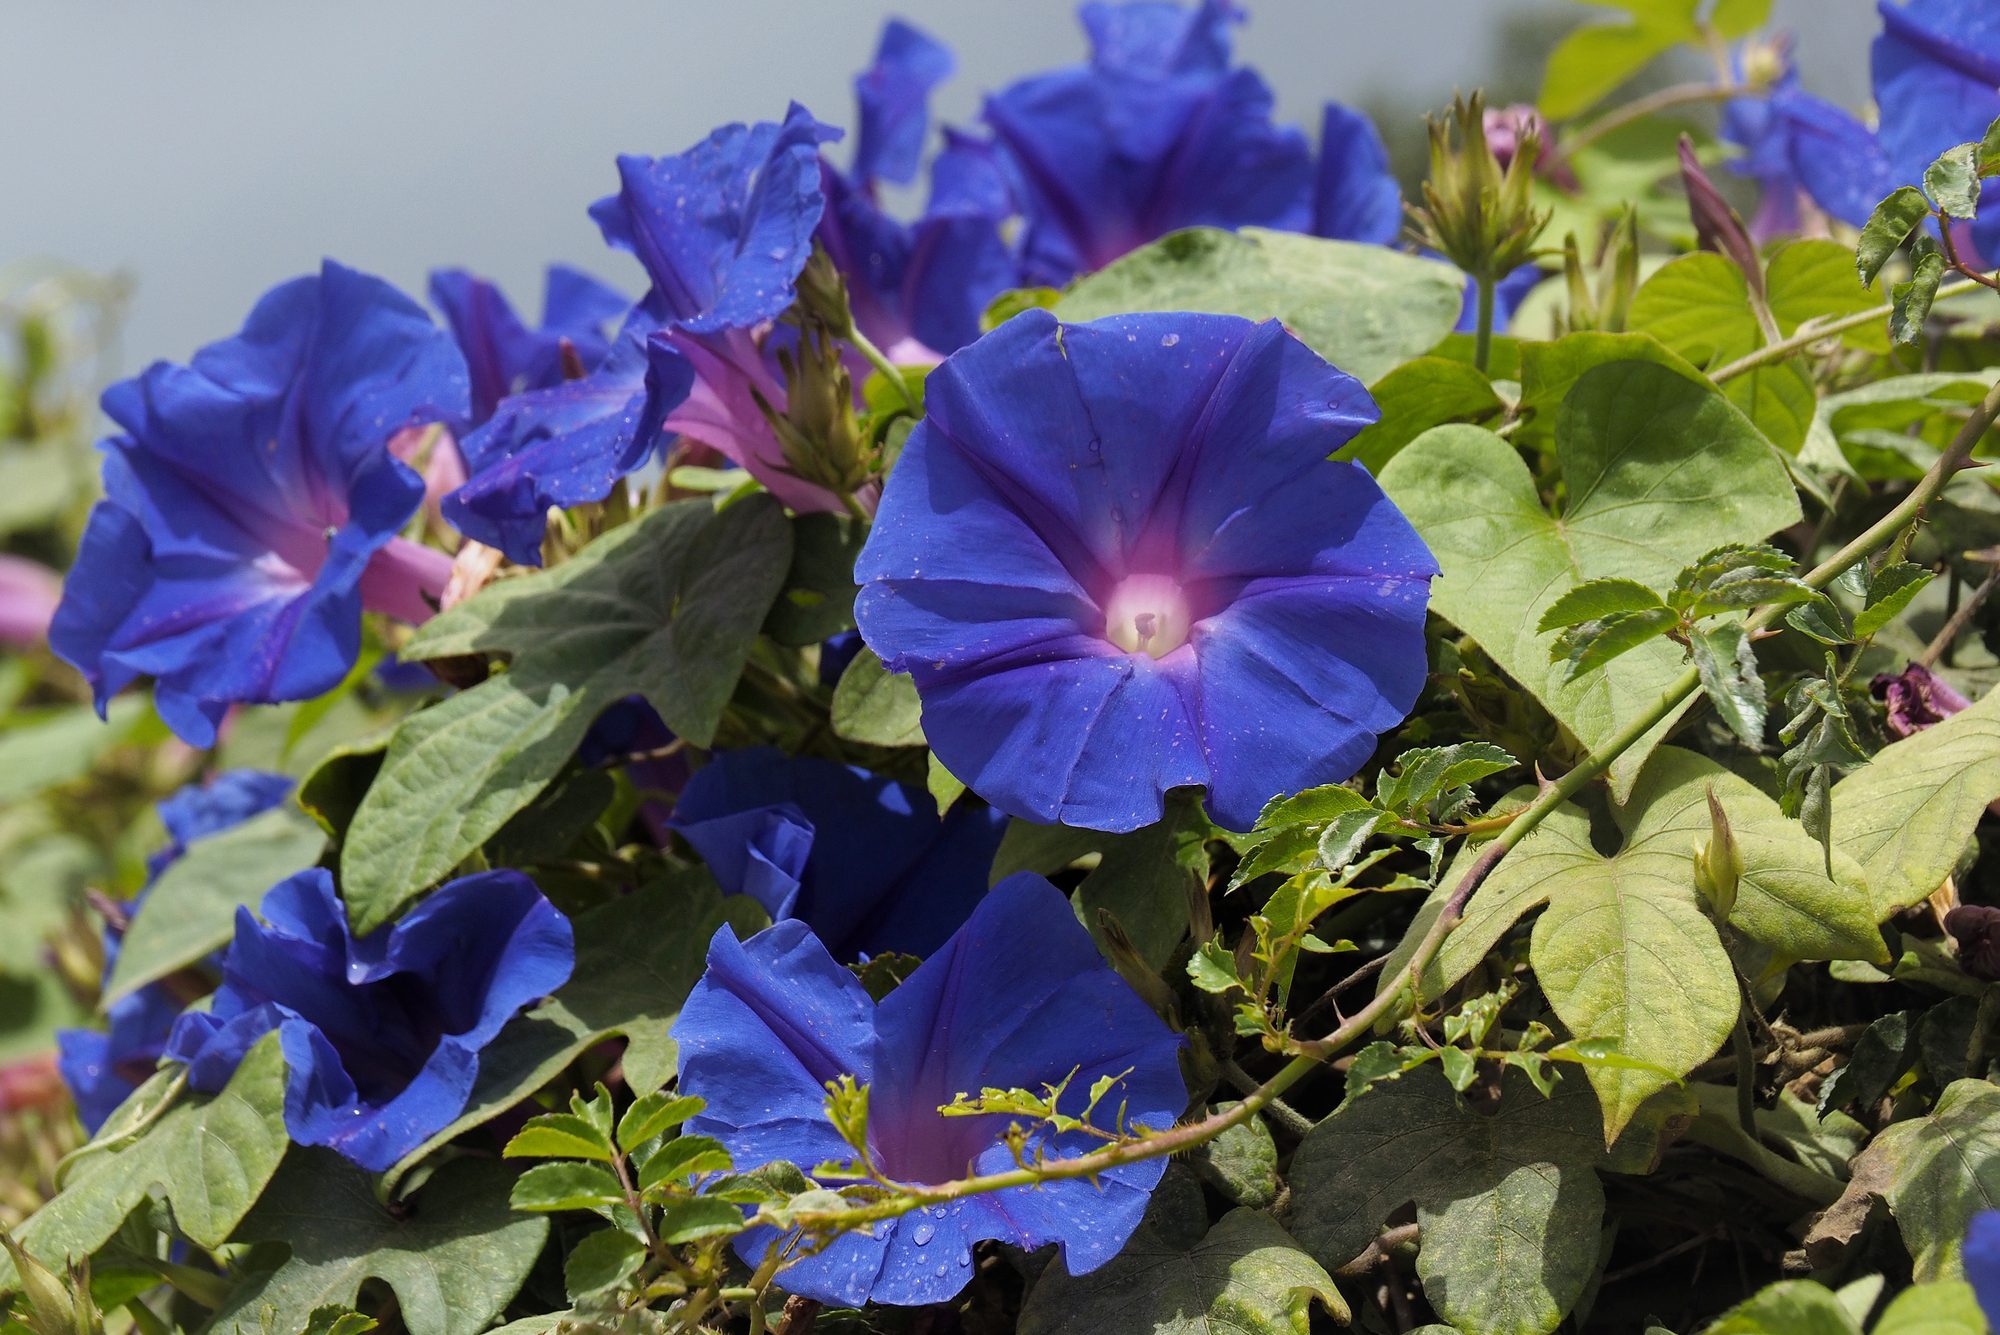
(210, 148)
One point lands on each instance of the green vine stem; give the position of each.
(1309, 1054)
(1813, 331)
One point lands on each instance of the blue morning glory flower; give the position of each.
(561, 445)
(893, 98)
(1799, 147)
(103, 1067)
(1936, 70)
(917, 290)
(506, 357)
(252, 505)
(863, 861)
(1982, 1262)
(1116, 561)
(722, 231)
(1018, 998)
(1155, 133)
(1355, 195)
(381, 1033)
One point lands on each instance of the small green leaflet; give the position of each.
(1953, 181)
(1887, 228)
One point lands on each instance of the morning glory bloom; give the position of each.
(252, 504)
(1936, 70)
(722, 231)
(1018, 998)
(103, 1067)
(863, 861)
(1116, 561)
(381, 1033)
(1800, 148)
(916, 290)
(1355, 195)
(1982, 1262)
(893, 98)
(1154, 134)
(503, 355)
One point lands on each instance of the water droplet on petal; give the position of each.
(923, 1234)
(942, 1271)
(1167, 341)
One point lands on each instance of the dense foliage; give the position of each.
(1180, 741)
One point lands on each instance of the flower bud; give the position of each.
(821, 438)
(823, 294)
(1718, 864)
(55, 1306)
(1478, 212)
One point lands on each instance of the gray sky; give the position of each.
(211, 148)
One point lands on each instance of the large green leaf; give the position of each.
(1906, 815)
(208, 1159)
(626, 983)
(1245, 1274)
(665, 607)
(1699, 305)
(1625, 949)
(191, 908)
(1363, 308)
(44, 875)
(1508, 1205)
(1658, 471)
(1936, 1172)
(1592, 61)
(454, 1255)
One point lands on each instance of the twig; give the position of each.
(1812, 332)
(1400, 1236)
(1279, 1111)
(1666, 99)
(1952, 628)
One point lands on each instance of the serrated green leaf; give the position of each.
(1589, 646)
(691, 1221)
(682, 1156)
(1365, 309)
(1597, 599)
(625, 984)
(1952, 181)
(1889, 226)
(603, 1260)
(1241, 1163)
(1728, 667)
(875, 706)
(1212, 968)
(559, 1136)
(1628, 437)
(654, 1114)
(1906, 815)
(1424, 775)
(1890, 590)
(454, 1258)
(1342, 840)
(665, 607)
(565, 1185)
(1508, 1205)
(1823, 620)
(1912, 299)
(207, 1158)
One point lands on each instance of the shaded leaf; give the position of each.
(1728, 668)
(454, 1259)
(1416, 396)
(1508, 1205)
(876, 706)
(1887, 228)
(1937, 1171)
(665, 607)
